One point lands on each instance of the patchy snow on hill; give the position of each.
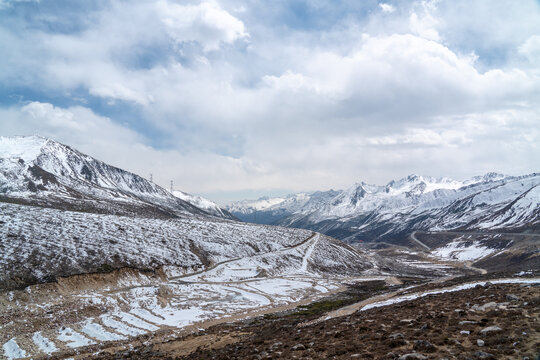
(463, 250)
(40, 242)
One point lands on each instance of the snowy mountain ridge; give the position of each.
(204, 204)
(371, 212)
(410, 184)
(38, 170)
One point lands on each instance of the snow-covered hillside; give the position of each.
(40, 244)
(371, 212)
(41, 171)
(204, 204)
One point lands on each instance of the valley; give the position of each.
(254, 180)
(97, 262)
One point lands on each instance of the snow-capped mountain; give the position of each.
(205, 204)
(268, 210)
(372, 212)
(41, 171)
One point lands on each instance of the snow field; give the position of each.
(461, 250)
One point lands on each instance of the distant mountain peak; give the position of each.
(411, 203)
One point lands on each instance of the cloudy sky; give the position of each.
(235, 99)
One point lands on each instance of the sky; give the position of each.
(237, 99)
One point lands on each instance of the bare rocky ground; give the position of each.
(496, 321)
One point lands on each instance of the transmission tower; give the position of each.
(171, 186)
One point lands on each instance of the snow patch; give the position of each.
(12, 350)
(463, 251)
(98, 332)
(72, 338)
(44, 344)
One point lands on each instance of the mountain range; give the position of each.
(94, 257)
(366, 212)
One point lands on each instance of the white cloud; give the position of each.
(422, 21)
(206, 23)
(531, 49)
(447, 138)
(387, 8)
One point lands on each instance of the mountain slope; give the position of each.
(391, 212)
(204, 204)
(36, 170)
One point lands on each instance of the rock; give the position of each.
(424, 345)
(397, 339)
(465, 332)
(483, 355)
(480, 342)
(425, 327)
(412, 356)
(276, 345)
(488, 306)
(467, 322)
(298, 347)
(512, 297)
(490, 329)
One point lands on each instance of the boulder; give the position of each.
(480, 342)
(424, 346)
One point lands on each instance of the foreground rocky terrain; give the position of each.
(465, 319)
